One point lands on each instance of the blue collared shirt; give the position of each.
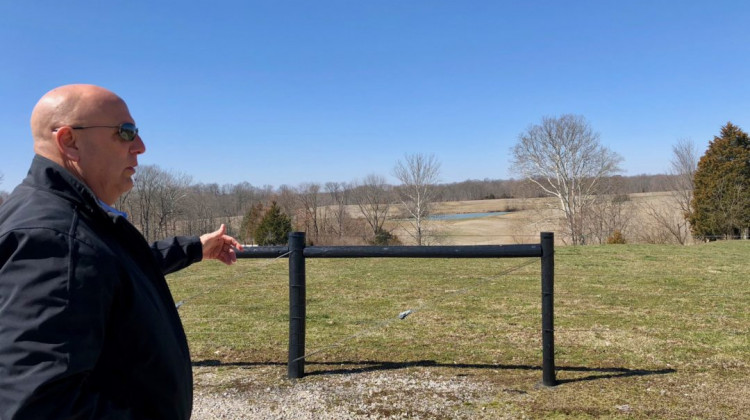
(111, 209)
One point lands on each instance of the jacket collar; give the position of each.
(52, 177)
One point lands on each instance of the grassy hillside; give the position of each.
(642, 331)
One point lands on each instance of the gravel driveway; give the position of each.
(262, 392)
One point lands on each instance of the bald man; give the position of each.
(88, 327)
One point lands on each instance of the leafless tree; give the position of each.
(309, 198)
(200, 209)
(606, 215)
(155, 201)
(243, 196)
(418, 174)
(666, 225)
(339, 198)
(141, 201)
(286, 199)
(671, 220)
(683, 166)
(373, 197)
(565, 158)
(170, 202)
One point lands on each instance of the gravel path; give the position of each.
(248, 393)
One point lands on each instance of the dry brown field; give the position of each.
(519, 220)
(526, 218)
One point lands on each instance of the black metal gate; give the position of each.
(297, 253)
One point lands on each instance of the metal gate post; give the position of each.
(548, 311)
(296, 365)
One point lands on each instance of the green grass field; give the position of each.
(641, 331)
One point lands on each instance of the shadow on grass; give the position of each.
(350, 367)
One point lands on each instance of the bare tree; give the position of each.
(308, 195)
(671, 220)
(200, 206)
(564, 157)
(155, 201)
(243, 196)
(418, 174)
(339, 197)
(141, 201)
(373, 197)
(683, 166)
(606, 215)
(169, 202)
(287, 200)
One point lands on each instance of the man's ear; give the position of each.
(66, 144)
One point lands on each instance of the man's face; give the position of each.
(107, 162)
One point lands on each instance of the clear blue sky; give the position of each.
(284, 92)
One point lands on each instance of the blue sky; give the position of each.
(284, 92)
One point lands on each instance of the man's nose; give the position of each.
(138, 145)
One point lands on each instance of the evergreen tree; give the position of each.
(274, 228)
(384, 238)
(250, 222)
(721, 199)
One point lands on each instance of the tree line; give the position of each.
(164, 203)
(561, 157)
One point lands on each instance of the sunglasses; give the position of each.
(127, 131)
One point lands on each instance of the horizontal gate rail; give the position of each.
(473, 251)
(263, 252)
(464, 251)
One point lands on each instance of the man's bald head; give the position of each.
(67, 105)
(77, 126)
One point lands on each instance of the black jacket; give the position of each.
(88, 327)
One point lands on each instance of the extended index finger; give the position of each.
(234, 242)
